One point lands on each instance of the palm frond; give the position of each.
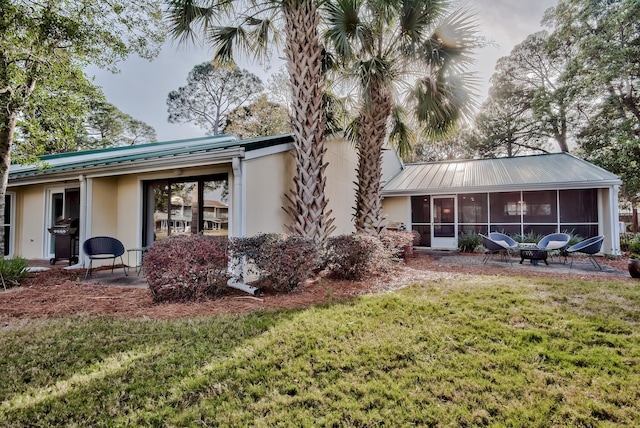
(400, 134)
(225, 39)
(345, 31)
(186, 18)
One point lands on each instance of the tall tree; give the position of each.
(45, 43)
(261, 118)
(604, 69)
(212, 91)
(505, 125)
(107, 126)
(452, 147)
(254, 25)
(409, 58)
(534, 70)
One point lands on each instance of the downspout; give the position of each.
(82, 233)
(238, 215)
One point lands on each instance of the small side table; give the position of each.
(135, 251)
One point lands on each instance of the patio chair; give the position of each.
(505, 240)
(589, 247)
(103, 248)
(554, 241)
(501, 246)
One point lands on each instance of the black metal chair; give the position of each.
(103, 248)
(501, 247)
(589, 247)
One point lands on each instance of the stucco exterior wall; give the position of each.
(104, 204)
(268, 178)
(30, 223)
(129, 216)
(340, 189)
(266, 181)
(397, 209)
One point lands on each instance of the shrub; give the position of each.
(530, 238)
(416, 237)
(282, 261)
(634, 247)
(399, 244)
(469, 241)
(191, 267)
(13, 271)
(355, 256)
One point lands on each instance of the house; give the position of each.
(537, 194)
(144, 192)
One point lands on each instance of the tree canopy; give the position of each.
(212, 91)
(44, 45)
(261, 118)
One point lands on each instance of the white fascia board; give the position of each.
(267, 151)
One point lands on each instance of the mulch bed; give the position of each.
(57, 293)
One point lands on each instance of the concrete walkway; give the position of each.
(102, 275)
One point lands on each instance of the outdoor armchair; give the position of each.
(501, 246)
(103, 248)
(589, 247)
(554, 241)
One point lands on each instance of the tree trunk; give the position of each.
(307, 201)
(371, 137)
(7, 130)
(634, 211)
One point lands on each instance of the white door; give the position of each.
(443, 230)
(61, 203)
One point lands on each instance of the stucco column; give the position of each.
(237, 208)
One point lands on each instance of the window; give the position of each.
(420, 209)
(540, 207)
(579, 206)
(505, 207)
(472, 208)
(186, 206)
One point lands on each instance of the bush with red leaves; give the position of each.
(190, 267)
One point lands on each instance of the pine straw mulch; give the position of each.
(57, 293)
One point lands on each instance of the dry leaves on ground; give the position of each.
(57, 293)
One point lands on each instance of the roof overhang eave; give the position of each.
(510, 188)
(186, 160)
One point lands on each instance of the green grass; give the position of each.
(479, 351)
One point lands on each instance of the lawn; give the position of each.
(481, 350)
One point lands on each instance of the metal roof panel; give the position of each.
(536, 171)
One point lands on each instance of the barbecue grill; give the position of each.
(65, 236)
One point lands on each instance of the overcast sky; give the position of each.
(141, 87)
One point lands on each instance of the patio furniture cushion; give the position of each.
(502, 243)
(554, 241)
(556, 245)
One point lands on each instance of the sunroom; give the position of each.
(538, 195)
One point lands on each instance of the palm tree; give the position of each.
(255, 25)
(409, 60)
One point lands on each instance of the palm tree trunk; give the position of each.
(372, 133)
(307, 201)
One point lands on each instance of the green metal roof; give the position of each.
(109, 157)
(536, 172)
